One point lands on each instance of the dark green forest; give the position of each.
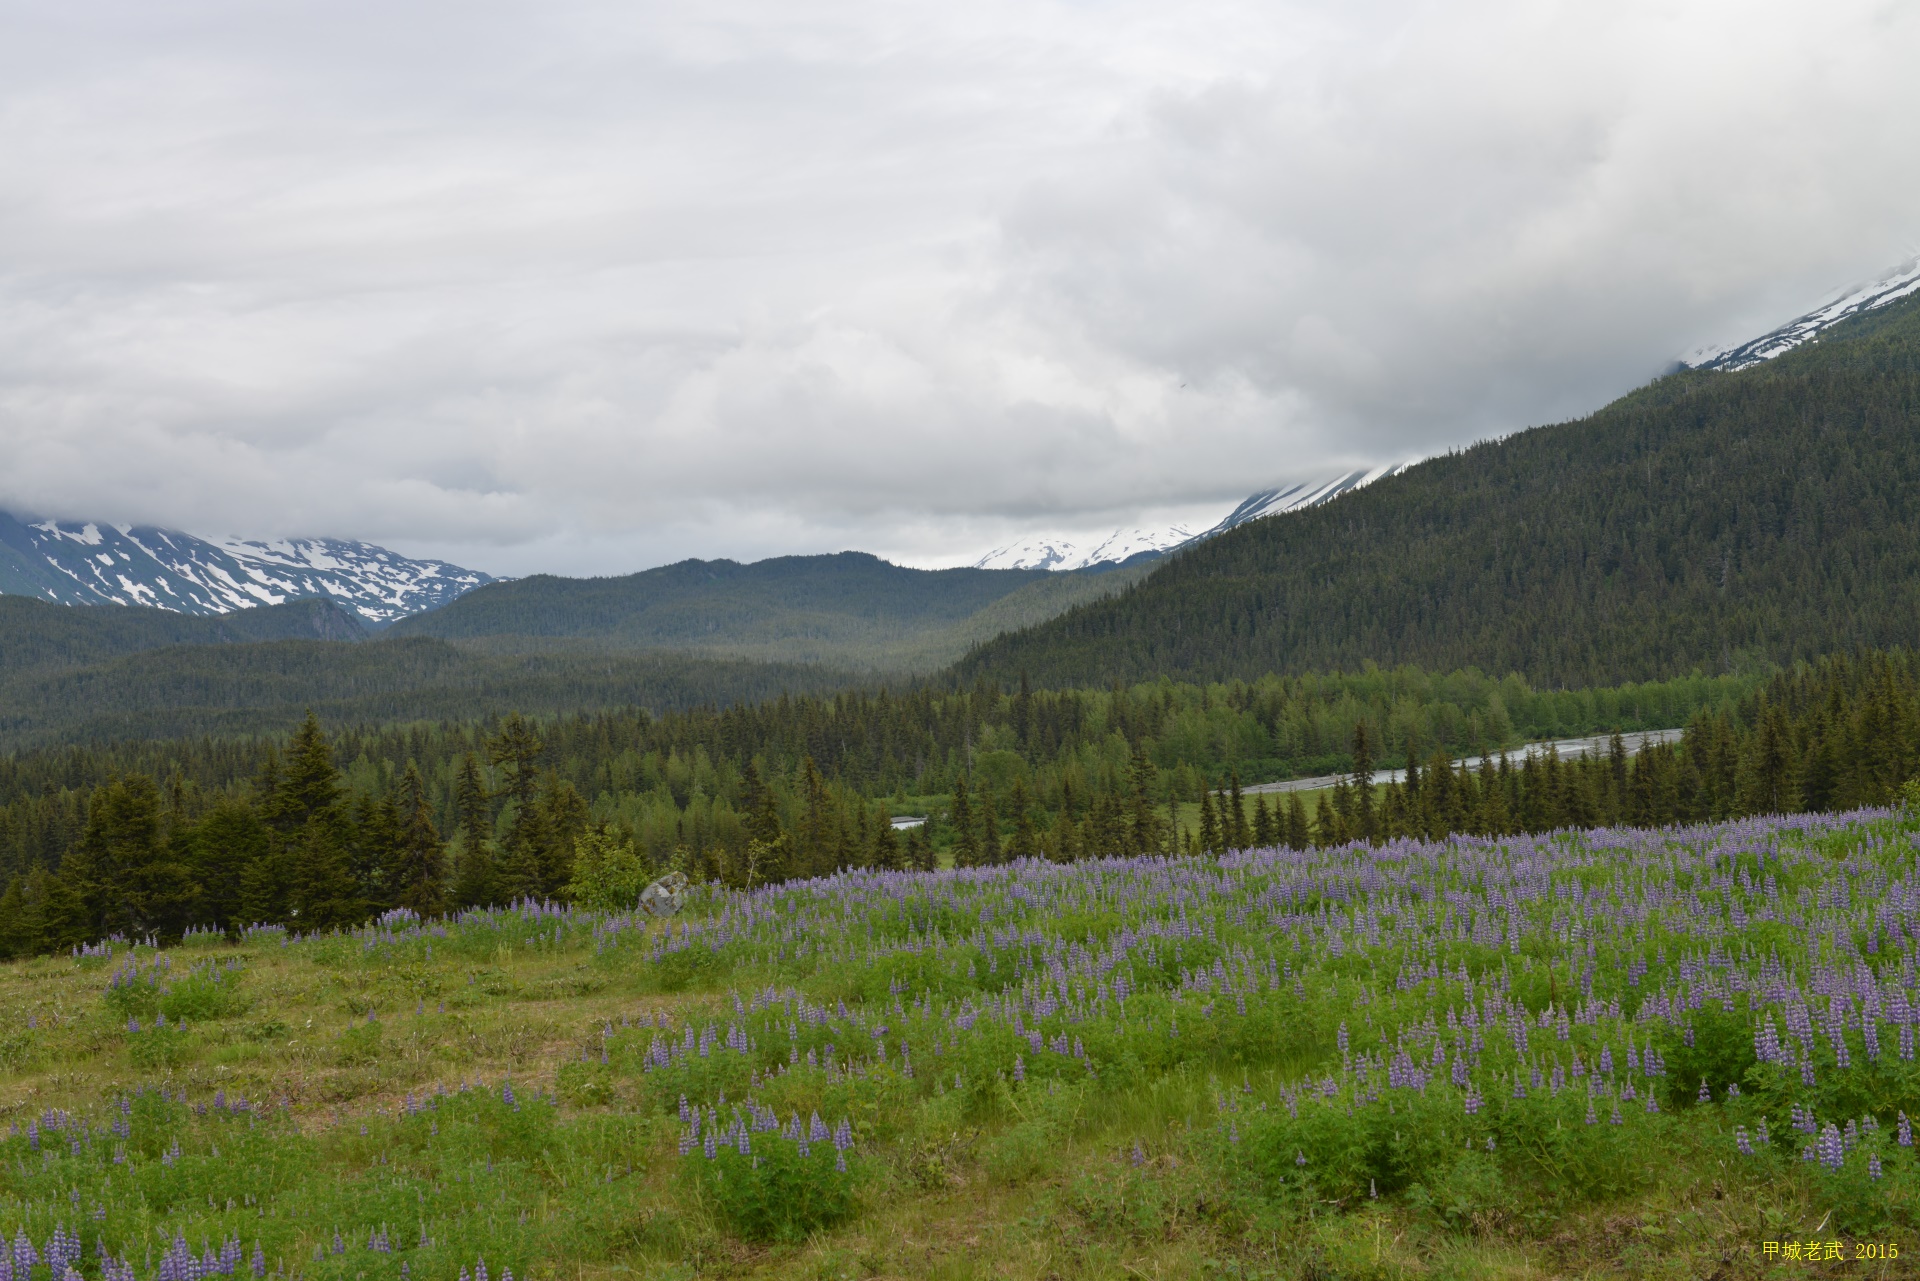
(315, 832)
(321, 830)
(40, 636)
(1708, 522)
(267, 687)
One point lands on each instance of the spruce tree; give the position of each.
(1024, 844)
(1210, 839)
(473, 876)
(416, 878)
(991, 853)
(1266, 833)
(1299, 831)
(1365, 823)
(1235, 829)
(966, 845)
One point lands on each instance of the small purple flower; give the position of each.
(1833, 1152)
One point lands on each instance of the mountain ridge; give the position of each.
(87, 563)
(1708, 520)
(1139, 546)
(844, 609)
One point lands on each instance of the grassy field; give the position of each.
(1612, 1054)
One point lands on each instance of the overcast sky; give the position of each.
(587, 287)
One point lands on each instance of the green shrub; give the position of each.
(209, 992)
(775, 1192)
(158, 1047)
(358, 1044)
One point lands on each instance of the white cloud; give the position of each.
(588, 286)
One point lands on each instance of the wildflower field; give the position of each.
(1611, 1053)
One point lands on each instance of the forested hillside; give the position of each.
(850, 611)
(267, 687)
(40, 636)
(1706, 522)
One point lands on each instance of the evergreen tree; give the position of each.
(416, 878)
(473, 877)
(966, 845)
(1144, 824)
(1299, 832)
(1235, 828)
(1024, 844)
(920, 849)
(1210, 838)
(887, 855)
(223, 849)
(308, 784)
(126, 877)
(1266, 832)
(1365, 824)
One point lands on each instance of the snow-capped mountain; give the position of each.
(87, 564)
(1898, 283)
(1125, 545)
(1063, 553)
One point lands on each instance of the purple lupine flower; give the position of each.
(1833, 1153)
(1873, 1165)
(1706, 1095)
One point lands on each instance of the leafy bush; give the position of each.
(779, 1189)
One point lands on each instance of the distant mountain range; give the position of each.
(75, 563)
(849, 610)
(1140, 546)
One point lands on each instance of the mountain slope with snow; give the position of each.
(1894, 285)
(1129, 545)
(83, 563)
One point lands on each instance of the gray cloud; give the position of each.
(585, 287)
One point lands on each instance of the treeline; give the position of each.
(1837, 735)
(1705, 522)
(302, 843)
(684, 779)
(297, 847)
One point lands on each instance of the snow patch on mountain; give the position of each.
(83, 563)
(1065, 554)
(1901, 282)
(1127, 544)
